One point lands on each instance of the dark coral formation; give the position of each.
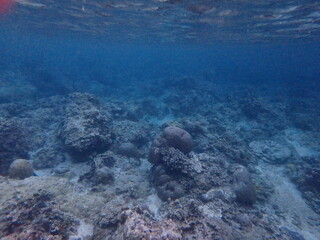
(100, 172)
(176, 161)
(13, 143)
(174, 137)
(167, 187)
(168, 153)
(244, 187)
(252, 107)
(35, 218)
(86, 128)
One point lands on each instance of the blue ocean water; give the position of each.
(79, 62)
(164, 119)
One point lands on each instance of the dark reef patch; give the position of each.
(86, 128)
(13, 143)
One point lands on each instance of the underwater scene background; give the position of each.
(161, 120)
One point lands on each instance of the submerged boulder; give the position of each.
(20, 169)
(178, 138)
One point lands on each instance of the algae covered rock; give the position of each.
(20, 169)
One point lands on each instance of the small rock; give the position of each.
(20, 169)
(61, 170)
(129, 150)
(213, 194)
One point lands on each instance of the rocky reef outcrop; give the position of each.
(13, 143)
(86, 128)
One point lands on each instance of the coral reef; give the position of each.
(252, 107)
(271, 151)
(231, 180)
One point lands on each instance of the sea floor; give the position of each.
(253, 172)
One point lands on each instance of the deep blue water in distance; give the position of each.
(81, 59)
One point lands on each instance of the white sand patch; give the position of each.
(84, 231)
(159, 122)
(296, 139)
(290, 202)
(154, 202)
(211, 211)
